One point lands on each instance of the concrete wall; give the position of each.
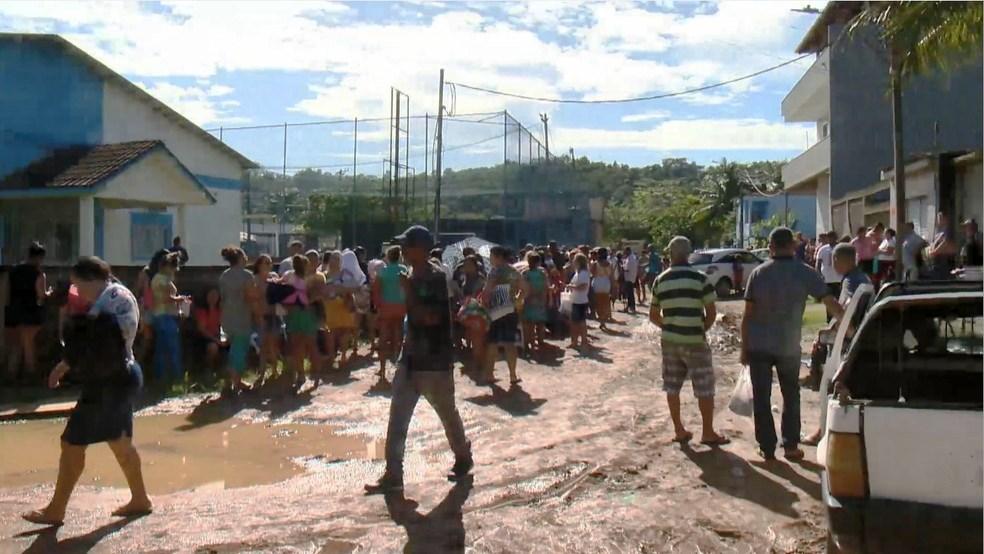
(970, 200)
(206, 228)
(48, 100)
(823, 216)
(861, 112)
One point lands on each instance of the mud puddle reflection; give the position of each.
(229, 454)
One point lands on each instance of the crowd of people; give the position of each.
(314, 308)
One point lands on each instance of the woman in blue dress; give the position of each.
(535, 303)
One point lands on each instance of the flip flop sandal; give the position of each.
(38, 518)
(684, 439)
(720, 441)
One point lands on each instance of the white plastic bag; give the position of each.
(566, 303)
(741, 398)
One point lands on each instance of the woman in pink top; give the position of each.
(866, 248)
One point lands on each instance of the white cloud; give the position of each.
(693, 134)
(542, 48)
(645, 116)
(197, 103)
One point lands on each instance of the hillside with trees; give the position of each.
(654, 202)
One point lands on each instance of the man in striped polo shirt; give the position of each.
(683, 307)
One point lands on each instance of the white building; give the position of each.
(90, 164)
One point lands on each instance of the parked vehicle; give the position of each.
(761, 253)
(719, 265)
(902, 448)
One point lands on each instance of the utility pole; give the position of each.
(546, 136)
(437, 164)
(572, 157)
(355, 157)
(899, 159)
(426, 140)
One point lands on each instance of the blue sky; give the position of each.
(232, 64)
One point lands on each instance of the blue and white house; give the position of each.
(802, 212)
(90, 164)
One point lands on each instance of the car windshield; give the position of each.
(930, 350)
(699, 258)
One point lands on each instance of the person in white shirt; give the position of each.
(886, 259)
(579, 285)
(630, 265)
(293, 249)
(825, 265)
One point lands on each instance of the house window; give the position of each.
(149, 232)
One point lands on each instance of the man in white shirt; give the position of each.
(825, 265)
(287, 264)
(912, 247)
(630, 265)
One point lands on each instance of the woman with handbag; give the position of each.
(99, 351)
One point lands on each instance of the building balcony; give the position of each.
(809, 100)
(799, 175)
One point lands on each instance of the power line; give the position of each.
(339, 121)
(637, 99)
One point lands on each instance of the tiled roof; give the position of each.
(82, 166)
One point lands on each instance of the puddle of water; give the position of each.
(229, 454)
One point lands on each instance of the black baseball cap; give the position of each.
(416, 236)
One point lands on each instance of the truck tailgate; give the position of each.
(925, 455)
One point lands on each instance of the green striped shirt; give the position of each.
(681, 293)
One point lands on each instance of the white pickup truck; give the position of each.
(904, 434)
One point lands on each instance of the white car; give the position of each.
(902, 446)
(720, 263)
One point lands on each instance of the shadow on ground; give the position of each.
(515, 401)
(735, 476)
(46, 539)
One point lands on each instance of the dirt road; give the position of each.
(579, 459)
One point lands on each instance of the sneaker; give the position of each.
(767, 456)
(462, 467)
(389, 482)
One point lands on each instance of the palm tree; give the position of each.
(920, 37)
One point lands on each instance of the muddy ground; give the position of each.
(579, 459)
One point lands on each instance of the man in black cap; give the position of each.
(426, 364)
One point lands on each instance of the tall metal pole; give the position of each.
(785, 208)
(426, 140)
(355, 157)
(440, 151)
(283, 196)
(396, 163)
(407, 199)
(519, 143)
(505, 155)
(389, 180)
(546, 135)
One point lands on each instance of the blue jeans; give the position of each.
(760, 366)
(167, 348)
